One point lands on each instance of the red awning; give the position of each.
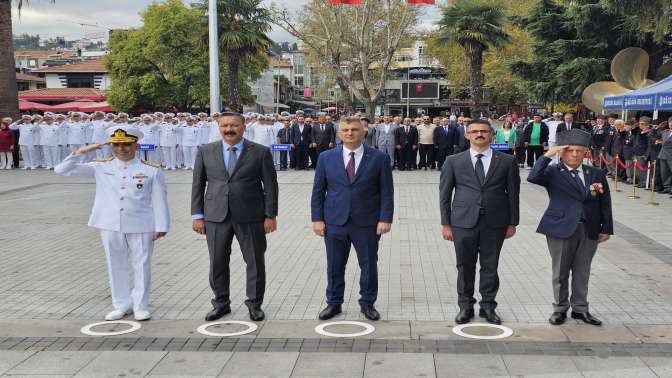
(25, 106)
(73, 106)
(96, 107)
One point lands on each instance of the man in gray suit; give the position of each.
(235, 193)
(483, 213)
(665, 159)
(385, 137)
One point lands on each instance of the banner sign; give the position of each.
(500, 146)
(281, 147)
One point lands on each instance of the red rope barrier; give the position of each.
(639, 167)
(623, 165)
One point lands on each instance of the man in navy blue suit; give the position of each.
(578, 218)
(352, 204)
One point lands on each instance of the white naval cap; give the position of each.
(123, 134)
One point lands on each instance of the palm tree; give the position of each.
(9, 104)
(242, 26)
(476, 26)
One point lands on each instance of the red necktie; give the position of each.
(350, 169)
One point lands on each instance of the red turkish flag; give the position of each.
(348, 2)
(430, 2)
(307, 92)
(419, 88)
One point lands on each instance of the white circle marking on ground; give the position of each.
(134, 327)
(368, 328)
(251, 327)
(506, 331)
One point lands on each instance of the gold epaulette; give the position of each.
(103, 160)
(151, 164)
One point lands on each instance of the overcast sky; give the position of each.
(64, 18)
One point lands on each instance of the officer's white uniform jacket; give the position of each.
(78, 133)
(191, 136)
(169, 135)
(29, 133)
(51, 135)
(98, 133)
(65, 130)
(131, 196)
(150, 132)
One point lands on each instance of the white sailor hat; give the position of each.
(60, 116)
(122, 115)
(26, 116)
(49, 115)
(146, 116)
(123, 134)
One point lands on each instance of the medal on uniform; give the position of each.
(139, 185)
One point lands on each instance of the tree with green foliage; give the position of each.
(476, 26)
(353, 44)
(242, 26)
(164, 63)
(574, 45)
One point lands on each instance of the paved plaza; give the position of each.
(53, 281)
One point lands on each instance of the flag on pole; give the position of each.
(429, 2)
(349, 2)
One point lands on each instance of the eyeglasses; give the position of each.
(478, 132)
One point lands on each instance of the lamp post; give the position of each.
(215, 98)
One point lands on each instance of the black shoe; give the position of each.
(256, 313)
(370, 312)
(557, 318)
(464, 316)
(217, 313)
(330, 311)
(587, 318)
(490, 316)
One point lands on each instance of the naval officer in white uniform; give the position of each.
(130, 211)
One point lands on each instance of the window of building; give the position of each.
(298, 81)
(80, 81)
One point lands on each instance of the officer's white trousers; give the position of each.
(179, 156)
(189, 156)
(31, 156)
(65, 151)
(52, 156)
(118, 247)
(169, 156)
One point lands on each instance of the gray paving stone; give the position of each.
(190, 363)
(587, 333)
(112, 364)
(613, 367)
(399, 365)
(9, 359)
(662, 366)
(278, 364)
(57, 363)
(546, 366)
(469, 365)
(329, 365)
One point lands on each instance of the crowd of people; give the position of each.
(626, 149)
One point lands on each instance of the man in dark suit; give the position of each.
(406, 142)
(445, 141)
(323, 136)
(301, 140)
(352, 204)
(577, 219)
(235, 193)
(569, 124)
(483, 213)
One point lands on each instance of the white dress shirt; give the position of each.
(580, 170)
(487, 157)
(359, 153)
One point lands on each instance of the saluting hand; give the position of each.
(554, 150)
(91, 148)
